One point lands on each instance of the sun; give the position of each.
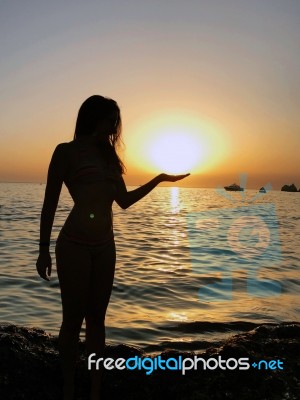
(175, 152)
(174, 142)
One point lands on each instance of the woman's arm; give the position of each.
(55, 177)
(125, 199)
(53, 188)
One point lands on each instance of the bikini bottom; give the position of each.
(68, 249)
(64, 234)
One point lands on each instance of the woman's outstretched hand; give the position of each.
(44, 265)
(172, 178)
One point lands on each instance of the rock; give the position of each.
(30, 369)
(289, 188)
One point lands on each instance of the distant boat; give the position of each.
(262, 190)
(234, 188)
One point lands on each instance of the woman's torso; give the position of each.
(92, 186)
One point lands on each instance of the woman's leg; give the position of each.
(102, 276)
(73, 270)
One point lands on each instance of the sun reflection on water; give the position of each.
(175, 200)
(175, 316)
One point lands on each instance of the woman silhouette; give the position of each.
(85, 249)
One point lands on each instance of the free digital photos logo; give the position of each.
(225, 241)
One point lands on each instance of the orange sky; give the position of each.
(224, 78)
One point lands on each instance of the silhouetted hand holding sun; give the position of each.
(172, 178)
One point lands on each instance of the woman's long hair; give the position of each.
(93, 110)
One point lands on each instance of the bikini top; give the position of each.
(91, 168)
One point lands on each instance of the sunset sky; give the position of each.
(213, 85)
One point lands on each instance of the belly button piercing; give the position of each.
(92, 216)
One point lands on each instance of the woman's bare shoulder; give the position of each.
(68, 154)
(65, 148)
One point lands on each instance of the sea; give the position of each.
(194, 265)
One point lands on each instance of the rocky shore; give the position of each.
(29, 369)
(289, 188)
